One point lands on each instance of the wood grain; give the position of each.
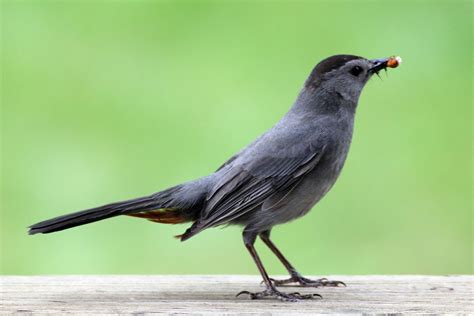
(186, 295)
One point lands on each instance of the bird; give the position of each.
(277, 178)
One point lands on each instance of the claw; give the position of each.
(308, 296)
(287, 297)
(326, 282)
(243, 292)
(304, 282)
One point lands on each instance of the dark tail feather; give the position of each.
(95, 214)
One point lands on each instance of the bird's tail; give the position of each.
(161, 207)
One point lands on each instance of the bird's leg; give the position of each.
(295, 277)
(270, 291)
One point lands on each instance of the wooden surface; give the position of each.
(216, 295)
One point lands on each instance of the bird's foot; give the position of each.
(304, 282)
(286, 297)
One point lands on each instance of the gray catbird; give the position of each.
(275, 179)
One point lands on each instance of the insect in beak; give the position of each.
(384, 63)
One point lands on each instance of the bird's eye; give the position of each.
(356, 70)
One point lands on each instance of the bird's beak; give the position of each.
(384, 63)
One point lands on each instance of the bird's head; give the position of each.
(346, 75)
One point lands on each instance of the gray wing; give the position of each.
(247, 185)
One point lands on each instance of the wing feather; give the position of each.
(246, 186)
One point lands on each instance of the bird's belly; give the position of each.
(306, 194)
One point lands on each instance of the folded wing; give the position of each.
(246, 185)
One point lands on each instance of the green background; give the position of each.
(104, 101)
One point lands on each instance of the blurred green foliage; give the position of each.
(104, 101)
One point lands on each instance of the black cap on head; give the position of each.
(328, 65)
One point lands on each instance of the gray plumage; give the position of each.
(275, 179)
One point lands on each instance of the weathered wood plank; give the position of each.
(216, 295)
